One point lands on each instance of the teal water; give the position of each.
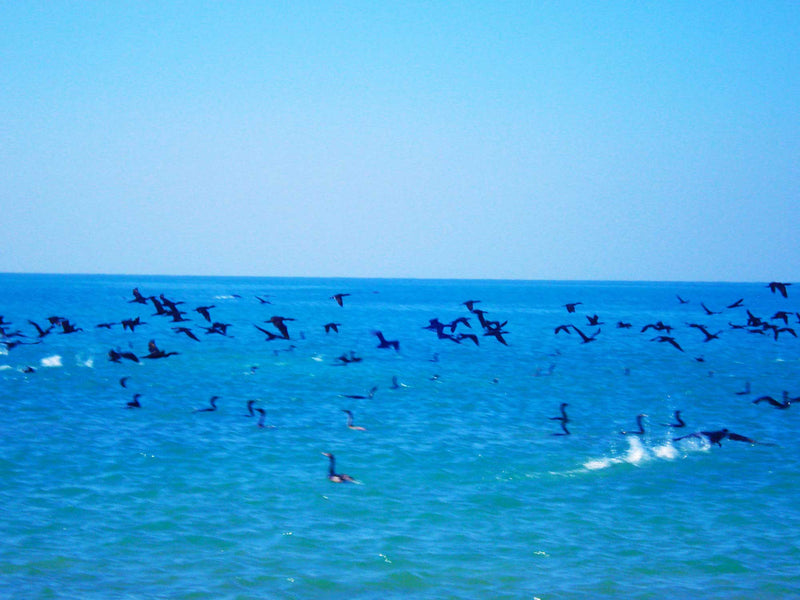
(463, 490)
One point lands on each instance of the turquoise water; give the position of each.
(462, 489)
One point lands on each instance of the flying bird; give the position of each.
(339, 298)
(777, 286)
(384, 343)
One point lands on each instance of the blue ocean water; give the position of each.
(463, 490)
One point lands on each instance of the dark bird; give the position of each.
(497, 334)
(250, 412)
(639, 422)
(160, 310)
(709, 336)
(346, 359)
(438, 327)
(135, 402)
(776, 286)
(187, 332)
(586, 339)
(117, 356)
(396, 384)
(262, 415)
(270, 335)
(332, 474)
(470, 304)
(564, 328)
(782, 315)
(203, 310)
(350, 421)
(571, 306)
(623, 325)
(384, 343)
(124, 381)
(746, 389)
(681, 300)
(10, 345)
(132, 324)
(679, 422)
(212, 408)
(339, 298)
(708, 311)
(563, 418)
(68, 327)
(778, 330)
(469, 336)
(218, 328)
(786, 403)
(263, 300)
(332, 327)
(137, 297)
(486, 323)
(716, 437)
(155, 352)
(170, 304)
(104, 325)
(736, 304)
(658, 326)
(177, 315)
(668, 340)
(594, 320)
(280, 324)
(39, 330)
(463, 320)
(369, 395)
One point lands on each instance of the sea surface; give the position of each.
(462, 489)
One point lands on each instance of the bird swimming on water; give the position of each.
(639, 422)
(350, 421)
(679, 422)
(332, 474)
(212, 408)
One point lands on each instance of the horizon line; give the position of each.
(361, 277)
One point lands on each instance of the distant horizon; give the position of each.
(344, 277)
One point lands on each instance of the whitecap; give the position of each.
(600, 463)
(51, 361)
(637, 453)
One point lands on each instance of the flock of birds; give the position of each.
(775, 325)
(457, 331)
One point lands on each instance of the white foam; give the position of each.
(51, 361)
(637, 454)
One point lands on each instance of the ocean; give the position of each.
(463, 487)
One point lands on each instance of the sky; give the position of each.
(481, 140)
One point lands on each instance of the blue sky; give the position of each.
(523, 140)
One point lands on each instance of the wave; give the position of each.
(637, 454)
(51, 361)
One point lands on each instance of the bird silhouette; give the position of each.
(384, 343)
(339, 298)
(777, 286)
